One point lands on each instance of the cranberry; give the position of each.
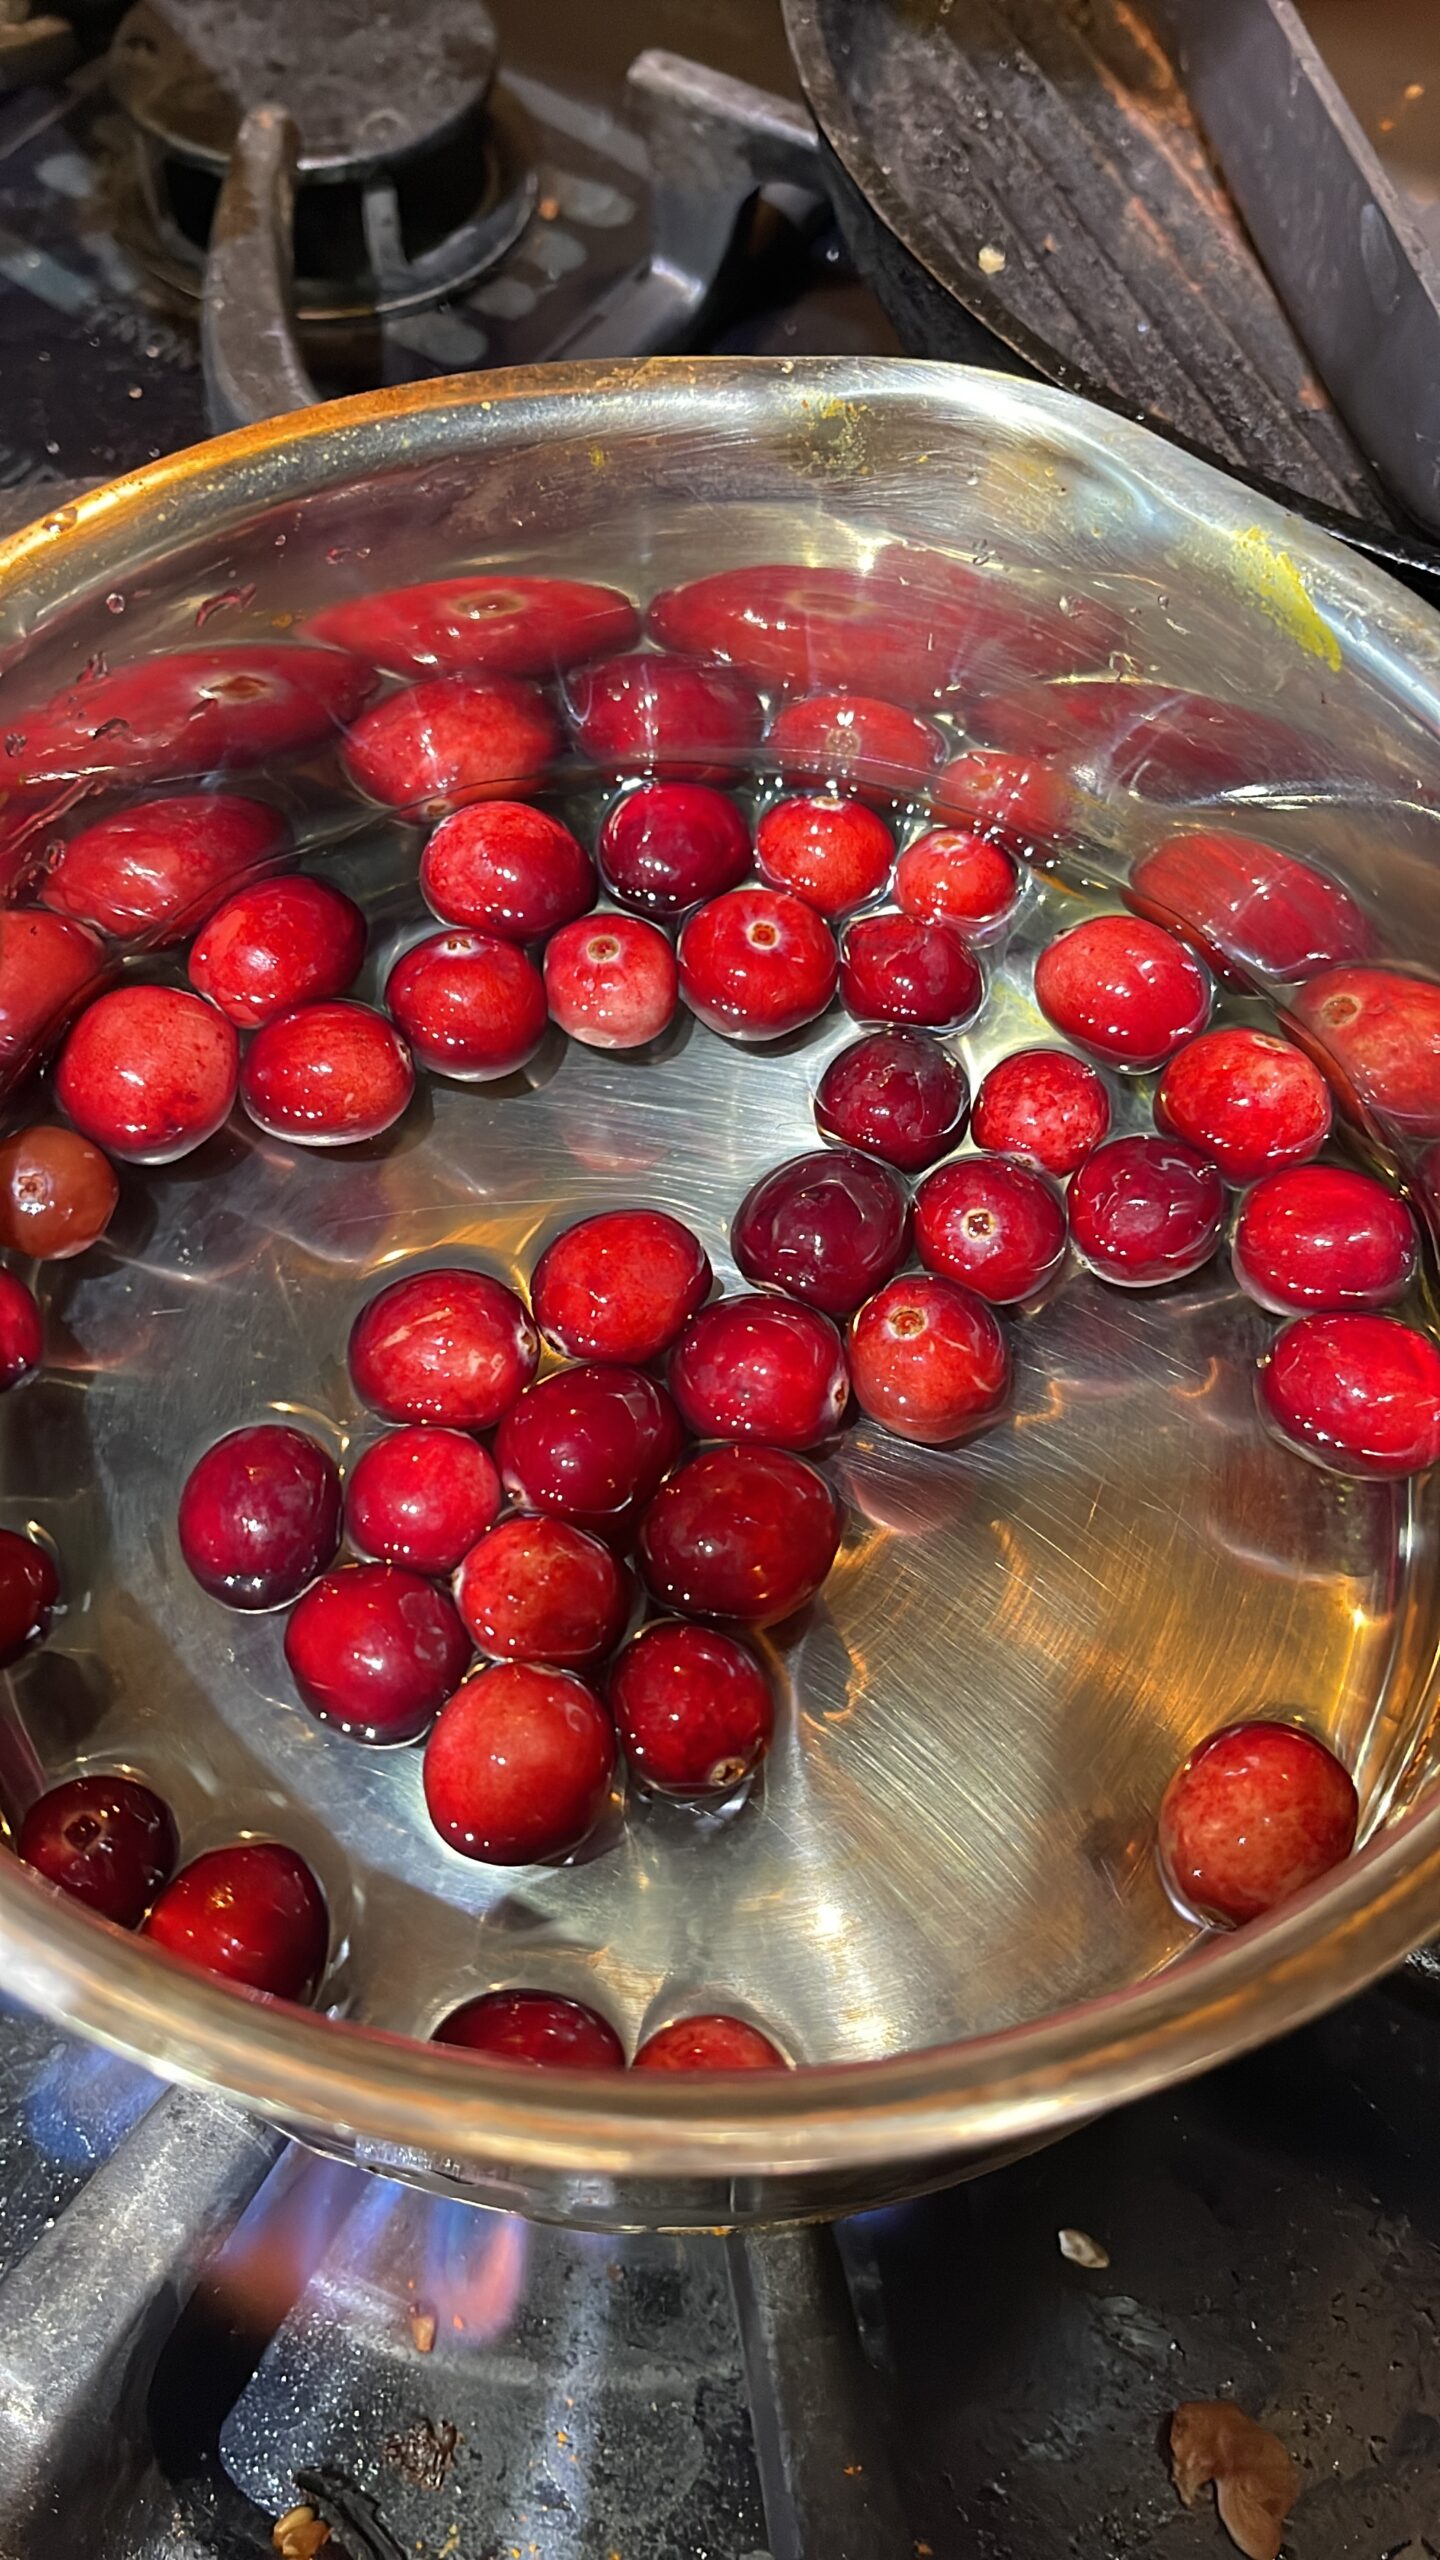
(710, 2042)
(278, 944)
(443, 1346)
(1149, 737)
(537, 2027)
(953, 877)
(29, 1590)
(22, 1331)
(637, 712)
(760, 1369)
(470, 1005)
(611, 981)
(831, 740)
(692, 1708)
(1257, 1812)
(827, 1227)
(507, 868)
(452, 735)
(832, 852)
(1382, 1031)
(505, 626)
(740, 1533)
(327, 1075)
(1251, 905)
(149, 1073)
(998, 1226)
(895, 1094)
(895, 970)
(421, 1497)
(376, 1650)
(260, 1515)
(519, 1764)
(993, 626)
(619, 1286)
(153, 866)
(1146, 1210)
(1026, 799)
(590, 1444)
(667, 846)
(1324, 1237)
(57, 1193)
(757, 963)
(1124, 989)
(109, 1842)
(790, 625)
(1358, 1393)
(541, 1590)
(46, 966)
(194, 711)
(253, 1913)
(1044, 1106)
(1245, 1099)
(929, 1360)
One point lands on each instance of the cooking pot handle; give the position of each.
(253, 365)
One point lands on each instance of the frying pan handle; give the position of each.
(253, 365)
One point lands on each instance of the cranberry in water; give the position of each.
(757, 963)
(711, 2042)
(740, 1533)
(376, 1650)
(895, 970)
(831, 851)
(952, 876)
(1250, 904)
(693, 1709)
(619, 1286)
(667, 846)
(1358, 1393)
(148, 1073)
(443, 1346)
(57, 1192)
(46, 965)
(589, 1444)
(1024, 798)
(507, 626)
(929, 1360)
(1124, 989)
(611, 981)
(895, 1094)
(154, 865)
(22, 1331)
(538, 2027)
(109, 1842)
(998, 1226)
(507, 868)
(421, 1498)
(29, 1589)
(536, 1589)
(260, 1515)
(834, 739)
(1324, 1238)
(1146, 1210)
(636, 712)
(253, 1913)
(519, 1764)
(1382, 1031)
(760, 1368)
(1245, 1099)
(193, 710)
(452, 735)
(1042, 1105)
(1256, 1813)
(327, 1075)
(276, 944)
(470, 1005)
(828, 1228)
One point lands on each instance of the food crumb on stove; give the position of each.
(991, 260)
(1081, 2250)
(1256, 2481)
(423, 2452)
(299, 2534)
(422, 2329)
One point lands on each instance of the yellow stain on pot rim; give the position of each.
(1271, 579)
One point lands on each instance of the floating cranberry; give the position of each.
(1151, 738)
(503, 626)
(710, 2042)
(790, 625)
(46, 966)
(252, 1913)
(421, 1497)
(611, 981)
(829, 850)
(1323, 1237)
(667, 846)
(832, 740)
(22, 1331)
(260, 1515)
(195, 711)
(1251, 905)
(634, 713)
(619, 1286)
(519, 1764)
(895, 1094)
(57, 1192)
(1124, 989)
(162, 862)
(507, 868)
(1382, 1031)
(1025, 799)
(952, 876)
(757, 963)
(1146, 1210)
(470, 1005)
(108, 1842)
(991, 625)
(443, 1346)
(995, 1224)
(541, 1590)
(376, 1650)
(1258, 1812)
(760, 1368)
(29, 1590)
(452, 735)
(693, 1709)
(149, 1073)
(740, 1533)
(1358, 1393)
(828, 1228)
(278, 944)
(895, 970)
(589, 1444)
(1044, 1106)
(537, 2027)
(929, 1360)
(327, 1075)
(1245, 1099)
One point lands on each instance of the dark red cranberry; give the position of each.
(536, 1589)
(277, 944)
(1324, 1237)
(327, 1075)
(1044, 1106)
(828, 1228)
(711, 2042)
(693, 1709)
(148, 1073)
(443, 1346)
(508, 869)
(1146, 1210)
(195, 711)
(453, 736)
(154, 865)
(1251, 905)
(22, 1331)
(929, 1360)
(895, 970)
(421, 1497)
(1248, 1101)
(1026, 799)
(611, 981)
(519, 1764)
(760, 1368)
(109, 1842)
(668, 846)
(57, 1192)
(952, 876)
(757, 963)
(29, 1590)
(260, 1515)
(589, 1444)
(469, 1004)
(1123, 988)
(619, 1286)
(834, 739)
(895, 1094)
(46, 967)
(253, 1913)
(830, 850)
(503, 626)
(1358, 1393)
(1382, 1031)
(376, 1650)
(740, 1533)
(994, 1223)
(537, 2027)
(635, 713)
(1258, 1812)
(1148, 737)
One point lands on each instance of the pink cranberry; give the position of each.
(832, 740)
(611, 981)
(421, 1497)
(538, 2027)
(46, 966)
(1323, 1237)
(589, 1444)
(149, 867)
(995, 1224)
(193, 711)
(469, 1004)
(253, 1913)
(1358, 1393)
(634, 713)
(376, 1650)
(831, 851)
(278, 944)
(327, 1075)
(108, 1842)
(667, 846)
(1044, 1106)
(1245, 1099)
(508, 869)
(1025, 799)
(828, 1228)
(1258, 1812)
(148, 1073)
(508, 626)
(929, 1360)
(260, 1515)
(1382, 1031)
(1146, 1210)
(619, 1286)
(895, 1094)
(895, 970)
(443, 1346)
(1124, 989)
(452, 735)
(519, 1764)
(757, 963)
(535, 1589)
(711, 2042)
(22, 1331)
(760, 1369)
(29, 1590)
(740, 1533)
(693, 1709)
(57, 1192)
(1251, 905)
(952, 876)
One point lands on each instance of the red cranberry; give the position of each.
(46, 966)
(1149, 737)
(1358, 1393)
(834, 739)
(537, 2027)
(832, 852)
(376, 1650)
(790, 625)
(57, 1193)
(712, 2042)
(443, 1346)
(895, 970)
(611, 981)
(929, 1360)
(161, 862)
(953, 877)
(253, 1913)
(619, 1286)
(740, 1533)
(1257, 1812)
(1146, 1210)
(1250, 904)
(996, 1225)
(470, 1005)
(194, 711)
(667, 846)
(278, 944)
(1245, 1099)
(1044, 1106)
(452, 735)
(760, 1369)
(327, 1075)
(149, 1073)
(29, 1590)
(692, 1708)
(505, 626)
(1382, 1031)
(1324, 1237)
(590, 1444)
(827, 1227)
(1026, 799)
(895, 1094)
(1123, 988)
(757, 963)
(541, 1590)
(260, 1515)
(507, 868)
(421, 1497)
(990, 627)
(634, 713)
(22, 1331)
(519, 1764)
(109, 1842)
